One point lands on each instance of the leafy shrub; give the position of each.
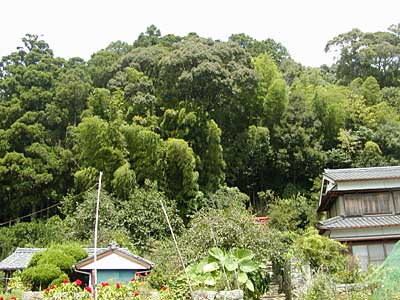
(352, 272)
(166, 261)
(33, 234)
(80, 215)
(225, 197)
(16, 282)
(52, 263)
(223, 270)
(15, 295)
(56, 257)
(364, 293)
(232, 227)
(116, 220)
(135, 289)
(62, 256)
(292, 214)
(41, 275)
(321, 252)
(227, 228)
(60, 279)
(148, 218)
(74, 250)
(67, 291)
(322, 288)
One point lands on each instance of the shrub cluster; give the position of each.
(53, 264)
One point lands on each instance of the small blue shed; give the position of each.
(113, 264)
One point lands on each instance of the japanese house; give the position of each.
(362, 208)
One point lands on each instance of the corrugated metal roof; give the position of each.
(341, 222)
(363, 173)
(21, 257)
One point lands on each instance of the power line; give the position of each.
(31, 214)
(44, 209)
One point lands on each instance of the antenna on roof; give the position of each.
(94, 273)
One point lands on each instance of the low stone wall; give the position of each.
(211, 295)
(32, 295)
(300, 278)
(301, 281)
(196, 295)
(345, 289)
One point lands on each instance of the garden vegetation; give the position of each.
(217, 131)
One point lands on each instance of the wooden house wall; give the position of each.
(337, 208)
(396, 201)
(359, 204)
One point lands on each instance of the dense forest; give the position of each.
(189, 120)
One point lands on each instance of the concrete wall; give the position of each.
(210, 295)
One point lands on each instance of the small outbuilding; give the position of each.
(113, 264)
(18, 260)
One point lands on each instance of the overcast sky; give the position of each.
(80, 28)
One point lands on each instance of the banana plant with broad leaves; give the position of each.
(233, 269)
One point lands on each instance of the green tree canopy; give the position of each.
(364, 54)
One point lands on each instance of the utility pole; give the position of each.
(94, 273)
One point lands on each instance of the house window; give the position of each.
(372, 254)
(396, 198)
(333, 210)
(376, 203)
(367, 204)
(353, 205)
(376, 254)
(388, 248)
(361, 252)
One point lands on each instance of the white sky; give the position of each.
(80, 28)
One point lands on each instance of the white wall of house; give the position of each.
(114, 262)
(367, 184)
(365, 233)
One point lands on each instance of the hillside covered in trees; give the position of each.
(188, 120)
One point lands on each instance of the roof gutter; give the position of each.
(83, 272)
(366, 238)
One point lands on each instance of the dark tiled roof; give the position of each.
(90, 251)
(137, 257)
(341, 222)
(21, 257)
(363, 173)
